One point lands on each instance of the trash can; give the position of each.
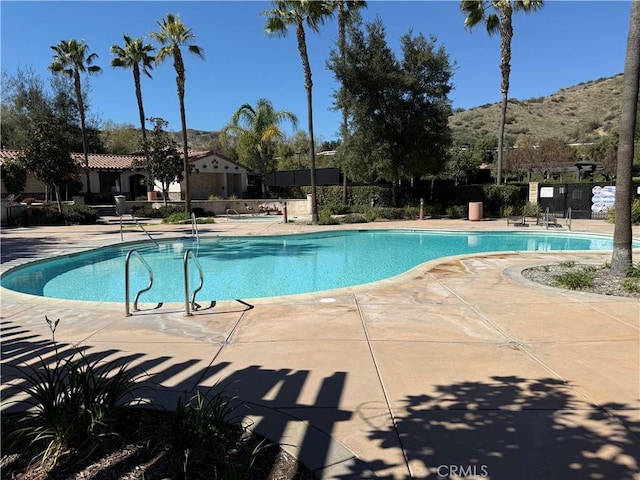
(121, 206)
(475, 211)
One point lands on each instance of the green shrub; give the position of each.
(325, 218)
(635, 213)
(162, 212)
(634, 270)
(390, 213)
(353, 218)
(531, 209)
(576, 280)
(202, 433)
(456, 211)
(631, 285)
(411, 213)
(507, 211)
(370, 215)
(48, 215)
(74, 398)
(205, 220)
(177, 217)
(80, 214)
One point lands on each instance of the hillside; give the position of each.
(199, 140)
(581, 113)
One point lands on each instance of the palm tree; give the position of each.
(499, 22)
(71, 58)
(174, 34)
(346, 12)
(622, 257)
(260, 128)
(313, 13)
(136, 55)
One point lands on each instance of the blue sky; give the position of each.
(565, 43)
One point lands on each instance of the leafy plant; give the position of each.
(576, 280)
(353, 218)
(73, 399)
(567, 263)
(177, 217)
(634, 270)
(325, 218)
(531, 209)
(631, 285)
(202, 431)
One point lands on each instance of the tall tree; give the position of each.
(173, 35)
(347, 12)
(72, 58)
(398, 109)
(297, 13)
(500, 22)
(622, 257)
(47, 154)
(163, 160)
(136, 55)
(257, 130)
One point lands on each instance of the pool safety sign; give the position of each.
(603, 198)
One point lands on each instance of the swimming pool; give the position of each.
(267, 266)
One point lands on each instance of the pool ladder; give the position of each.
(189, 305)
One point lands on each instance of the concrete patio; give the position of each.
(459, 368)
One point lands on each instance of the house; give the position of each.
(211, 174)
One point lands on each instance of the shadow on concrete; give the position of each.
(261, 392)
(515, 428)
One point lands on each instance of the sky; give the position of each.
(565, 43)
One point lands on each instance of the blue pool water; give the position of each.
(253, 267)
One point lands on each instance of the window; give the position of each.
(109, 182)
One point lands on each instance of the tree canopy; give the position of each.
(398, 109)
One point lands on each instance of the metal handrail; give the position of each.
(191, 305)
(568, 222)
(194, 227)
(127, 284)
(135, 220)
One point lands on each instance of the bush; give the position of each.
(80, 214)
(576, 280)
(325, 218)
(353, 218)
(177, 217)
(457, 211)
(531, 209)
(202, 434)
(635, 213)
(48, 215)
(74, 399)
(162, 212)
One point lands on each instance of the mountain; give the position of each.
(199, 140)
(582, 113)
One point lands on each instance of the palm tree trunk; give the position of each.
(136, 81)
(342, 40)
(622, 235)
(302, 46)
(76, 82)
(506, 34)
(180, 80)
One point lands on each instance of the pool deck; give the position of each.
(458, 367)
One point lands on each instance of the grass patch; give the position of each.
(576, 280)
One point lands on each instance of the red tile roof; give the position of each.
(108, 161)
